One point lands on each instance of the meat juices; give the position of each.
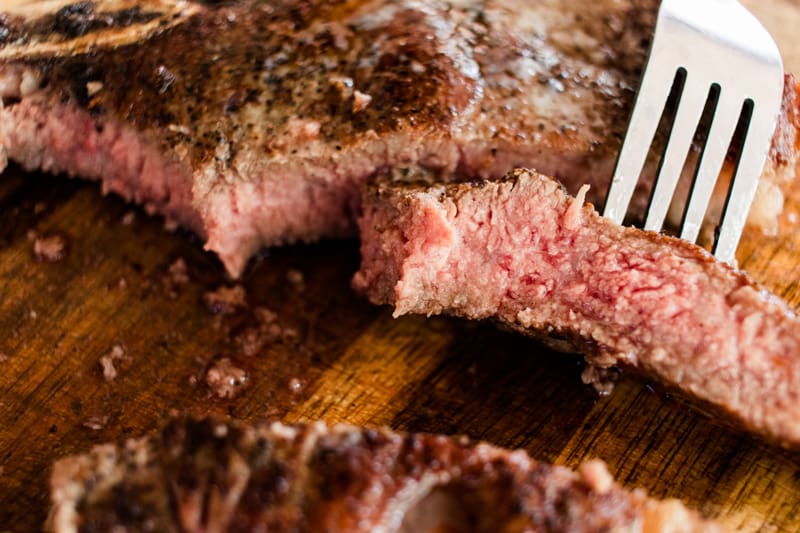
(523, 252)
(206, 475)
(310, 99)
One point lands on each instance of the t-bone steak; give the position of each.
(214, 476)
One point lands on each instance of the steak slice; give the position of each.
(255, 123)
(523, 252)
(206, 475)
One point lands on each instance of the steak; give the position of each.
(255, 123)
(523, 252)
(206, 475)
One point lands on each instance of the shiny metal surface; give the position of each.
(714, 43)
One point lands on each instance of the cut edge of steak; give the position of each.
(210, 475)
(42, 134)
(525, 253)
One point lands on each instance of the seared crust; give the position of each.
(207, 475)
(286, 57)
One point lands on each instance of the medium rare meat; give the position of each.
(523, 252)
(206, 475)
(255, 123)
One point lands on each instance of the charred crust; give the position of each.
(75, 20)
(351, 474)
(282, 64)
(5, 30)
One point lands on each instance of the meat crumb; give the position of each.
(178, 272)
(109, 370)
(360, 101)
(295, 385)
(225, 379)
(250, 341)
(226, 300)
(3, 358)
(253, 339)
(51, 249)
(128, 218)
(96, 423)
(596, 476)
(107, 362)
(602, 379)
(176, 276)
(32, 314)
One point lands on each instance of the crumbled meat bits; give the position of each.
(253, 339)
(118, 353)
(128, 218)
(226, 300)
(96, 423)
(50, 248)
(178, 273)
(176, 276)
(225, 379)
(603, 379)
(295, 385)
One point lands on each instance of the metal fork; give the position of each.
(719, 48)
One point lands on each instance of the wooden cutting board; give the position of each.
(334, 357)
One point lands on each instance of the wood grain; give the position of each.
(348, 361)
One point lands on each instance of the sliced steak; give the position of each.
(206, 475)
(254, 123)
(523, 252)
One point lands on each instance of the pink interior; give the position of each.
(523, 251)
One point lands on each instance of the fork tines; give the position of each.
(724, 73)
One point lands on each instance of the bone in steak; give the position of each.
(254, 123)
(206, 475)
(520, 250)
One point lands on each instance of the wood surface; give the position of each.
(339, 359)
